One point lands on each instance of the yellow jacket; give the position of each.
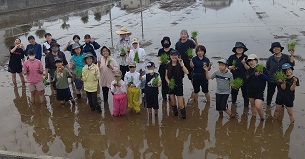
(90, 77)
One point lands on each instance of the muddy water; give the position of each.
(76, 132)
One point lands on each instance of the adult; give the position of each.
(15, 63)
(165, 50)
(182, 46)
(34, 46)
(107, 66)
(76, 66)
(123, 48)
(274, 64)
(69, 46)
(50, 66)
(175, 71)
(90, 45)
(47, 43)
(238, 67)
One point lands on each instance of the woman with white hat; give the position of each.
(123, 48)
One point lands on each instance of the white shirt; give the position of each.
(128, 78)
(118, 90)
(142, 57)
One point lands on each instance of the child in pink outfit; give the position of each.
(33, 70)
(118, 88)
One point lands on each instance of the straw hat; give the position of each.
(122, 30)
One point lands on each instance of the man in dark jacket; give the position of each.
(274, 64)
(47, 43)
(34, 46)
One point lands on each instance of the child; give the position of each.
(133, 87)
(152, 82)
(199, 77)
(175, 71)
(15, 63)
(61, 76)
(90, 77)
(136, 51)
(33, 70)
(238, 66)
(166, 43)
(118, 88)
(286, 93)
(90, 46)
(256, 83)
(223, 78)
(47, 44)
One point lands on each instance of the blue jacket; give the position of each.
(37, 49)
(90, 47)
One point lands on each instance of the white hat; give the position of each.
(134, 40)
(122, 30)
(252, 57)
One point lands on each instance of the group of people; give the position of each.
(129, 75)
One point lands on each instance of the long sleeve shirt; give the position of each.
(90, 77)
(123, 43)
(107, 74)
(117, 89)
(37, 49)
(142, 56)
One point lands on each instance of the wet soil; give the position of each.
(76, 132)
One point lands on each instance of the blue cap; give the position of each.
(286, 66)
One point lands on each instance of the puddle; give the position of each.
(76, 132)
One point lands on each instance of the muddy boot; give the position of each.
(183, 113)
(79, 96)
(98, 109)
(175, 110)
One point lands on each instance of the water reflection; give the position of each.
(133, 4)
(217, 5)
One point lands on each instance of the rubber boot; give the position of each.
(183, 113)
(175, 110)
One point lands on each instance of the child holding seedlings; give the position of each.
(61, 76)
(174, 74)
(274, 64)
(108, 66)
(238, 67)
(118, 88)
(132, 79)
(286, 93)
(223, 78)
(152, 82)
(138, 55)
(33, 70)
(199, 78)
(76, 65)
(182, 46)
(256, 82)
(90, 77)
(163, 55)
